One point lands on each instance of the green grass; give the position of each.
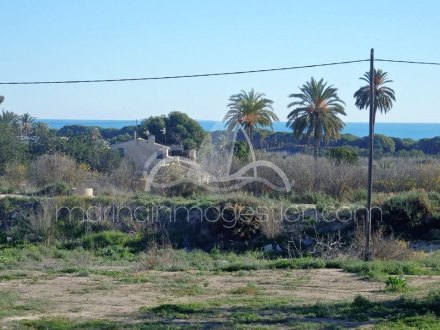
(13, 276)
(12, 304)
(427, 322)
(66, 324)
(176, 311)
(82, 261)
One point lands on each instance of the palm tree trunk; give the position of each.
(250, 134)
(316, 142)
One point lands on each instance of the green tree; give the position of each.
(383, 95)
(241, 150)
(9, 118)
(343, 155)
(26, 124)
(44, 140)
(249, 110)
(76, 130)
(12, 150)
(180, 129)
(316, 113)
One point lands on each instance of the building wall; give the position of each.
(141, 150)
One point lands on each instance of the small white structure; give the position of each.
(140, 150)
(84, 192)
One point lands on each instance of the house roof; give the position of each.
(141, 141)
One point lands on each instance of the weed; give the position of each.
(243, 317)
(395, 284)
(249, 289)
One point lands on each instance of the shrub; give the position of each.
(411, 214)
(299, 263)
(342, 155)
(49, 169)
(15, 174)
(103, 239)
(55, 189)
(395, 284)
(361, 302)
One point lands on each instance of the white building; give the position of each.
(141, 150)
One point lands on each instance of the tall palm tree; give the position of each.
(316, 113)
(9, 118)
(27, 122)
(383, 95)
(249, 110)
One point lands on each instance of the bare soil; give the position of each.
(105, 297)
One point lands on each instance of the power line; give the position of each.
(407, 62)
(180, 76)
(86, 123)
(209, 74)
(80, 121)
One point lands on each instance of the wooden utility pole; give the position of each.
(368, 255)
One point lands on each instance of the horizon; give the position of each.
(214, 120)
(359, 129)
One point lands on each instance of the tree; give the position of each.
(76, 130)
(249, 110)
(26, 123)
(383, 95)
(9, 118)
(316, 113)
(11, 148)
(180, 129)
(342, 155)
(44, 141)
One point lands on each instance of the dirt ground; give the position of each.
(95, 296)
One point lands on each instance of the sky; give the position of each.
(74, 40)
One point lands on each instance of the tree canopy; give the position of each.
(315, 113)
(180, 129)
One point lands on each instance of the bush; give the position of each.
(411, 215)
(343, 155)
(395, 284)
(55, 189)
(103, 239)
(50, 169)
(361, 302)
(15, 174)
(300, 263)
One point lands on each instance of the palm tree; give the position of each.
(316, 113)
(27, 122)
(9, 118)
(383, 100)
(249, 110)
(383, 96)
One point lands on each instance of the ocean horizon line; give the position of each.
(415, 131)
(212, 120)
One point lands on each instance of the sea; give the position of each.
(415, 131)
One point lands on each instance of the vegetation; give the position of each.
(168, 259)
(316, 113)
(383, 95)
(175, 129)
(249, 110)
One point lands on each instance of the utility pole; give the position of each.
(368, 255)
(136, 132)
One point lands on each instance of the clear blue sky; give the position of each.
(58, 40)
